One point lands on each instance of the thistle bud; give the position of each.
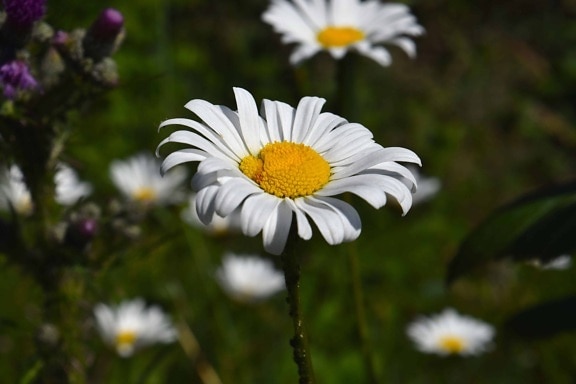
(14, 77)
(20, 18)
(104, 35)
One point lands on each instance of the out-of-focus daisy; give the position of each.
(218, 226)
(69, 189)
(139, 180)
(338, 26)
(559, 263)
(288, 163)
(428, 187)
(450, 333)
(14, 192)
(249, 277)
(131, 325)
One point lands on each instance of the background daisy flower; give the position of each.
(69, 189)
(289, 162)
(14, 192)
(338, 26)
(131, 325)
(451, 333)
(139, 180)
(248, 277)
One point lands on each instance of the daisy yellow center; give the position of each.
(336, 37)
(144, 194)
(125, 339)
(452, 344)
(286, 169)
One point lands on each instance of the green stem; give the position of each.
(299, 342)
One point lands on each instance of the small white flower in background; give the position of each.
(69, 189)
(559, 263)
(450, 333)
(14, 192)
(218, 226)
(249, 277)
(131, 325)
(428, 187)
(338, 26)
(287, 163)
(139, 180)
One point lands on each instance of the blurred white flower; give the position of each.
(218, 226)
(139, 180)
(338, 26)
(451, 333)
(69, 189)
(14, 192)
(248, 277)
(559, 263)
(131, 325)
(428, 187)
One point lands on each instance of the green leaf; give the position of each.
(540, 225)
(544, 320)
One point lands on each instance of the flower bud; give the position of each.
(14, 77)
(104, 35)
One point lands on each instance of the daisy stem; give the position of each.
(299, 342)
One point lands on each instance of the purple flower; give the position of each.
(101, 38)
(15, 76)
(23, 13)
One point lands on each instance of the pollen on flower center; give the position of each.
(334, 37)
(144, 194)
(286, 169)
(452, 344)
(125, 338)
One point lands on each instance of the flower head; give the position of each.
(249, 278)
(14, 77)
(338, 26)
(23, 13)
(451, 333)
(289, 161)
(68, 188)
(139, 179)
(14, 193)
(131, 326)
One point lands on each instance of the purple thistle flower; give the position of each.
(23, 13)
(101, 38)
(15, 76)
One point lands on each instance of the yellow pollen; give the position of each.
(125, 338)
(286, 169)
(452, 344)
(335, 37)
(144, 195)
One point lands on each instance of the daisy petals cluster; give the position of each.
(338, 26)
(138, 178)
(286, 162)
(451, 333)
(131, 325)
(69, 189)
(249, 277)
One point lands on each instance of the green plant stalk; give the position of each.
(299, 342)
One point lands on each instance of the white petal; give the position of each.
(275, 232)
(205, 203)
(304, 228)
(232, 194)
(250, 120)
(256, 211)
(307, 112)
(280, 119)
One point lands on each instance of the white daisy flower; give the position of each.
(428, 187)
(139, 180)
(289, 162)
(131, 326)
(249, 277)
(14, 192)
(451, 333)
(338, 26)
(69, 189)
(218, 226)
(559, 263)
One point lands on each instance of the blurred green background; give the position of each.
(488, 104)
